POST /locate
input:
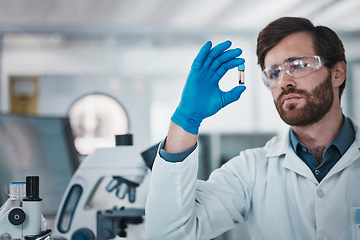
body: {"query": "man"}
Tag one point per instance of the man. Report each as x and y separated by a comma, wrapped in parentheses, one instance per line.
(303, 185)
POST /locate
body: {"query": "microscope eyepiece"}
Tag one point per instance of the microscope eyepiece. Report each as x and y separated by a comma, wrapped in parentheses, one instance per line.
(123, 140)
(32, 189)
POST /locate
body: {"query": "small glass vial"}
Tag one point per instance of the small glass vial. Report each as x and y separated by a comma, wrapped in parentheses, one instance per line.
(17, 191)
(241, 69)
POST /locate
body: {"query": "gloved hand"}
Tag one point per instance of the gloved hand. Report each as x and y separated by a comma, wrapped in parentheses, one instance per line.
(201, 96)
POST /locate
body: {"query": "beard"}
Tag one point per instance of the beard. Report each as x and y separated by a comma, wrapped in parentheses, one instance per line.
(318, 104)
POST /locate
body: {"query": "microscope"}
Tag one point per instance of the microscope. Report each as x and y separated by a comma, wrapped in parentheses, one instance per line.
(20, 215)
(119, 170)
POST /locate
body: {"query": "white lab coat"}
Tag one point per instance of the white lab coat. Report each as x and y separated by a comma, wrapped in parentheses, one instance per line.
(271, 188)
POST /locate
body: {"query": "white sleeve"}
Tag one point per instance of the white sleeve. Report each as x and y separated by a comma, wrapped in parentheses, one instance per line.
(181, 207)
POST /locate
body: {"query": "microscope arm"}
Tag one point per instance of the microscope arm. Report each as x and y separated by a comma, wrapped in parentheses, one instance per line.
(124, 186)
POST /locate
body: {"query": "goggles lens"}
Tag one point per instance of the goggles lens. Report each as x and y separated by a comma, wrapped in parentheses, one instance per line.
(295, 67)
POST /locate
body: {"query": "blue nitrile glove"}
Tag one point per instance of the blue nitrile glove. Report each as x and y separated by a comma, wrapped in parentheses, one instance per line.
(202, 97)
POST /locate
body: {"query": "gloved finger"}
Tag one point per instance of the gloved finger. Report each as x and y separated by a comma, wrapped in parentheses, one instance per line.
(225, 57)
(220, 72)
(200, 57)
(232, 95)
(215, 52)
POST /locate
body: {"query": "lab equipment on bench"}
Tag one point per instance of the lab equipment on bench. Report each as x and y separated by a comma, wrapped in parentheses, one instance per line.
(20, 215)
(125, 169)
(38, 146)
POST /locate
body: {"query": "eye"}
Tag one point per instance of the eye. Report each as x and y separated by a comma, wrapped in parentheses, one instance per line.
(297, 65)
(274, 74)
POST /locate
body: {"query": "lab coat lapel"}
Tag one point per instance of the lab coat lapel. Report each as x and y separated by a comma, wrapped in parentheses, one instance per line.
(295, 164)
(281, 148)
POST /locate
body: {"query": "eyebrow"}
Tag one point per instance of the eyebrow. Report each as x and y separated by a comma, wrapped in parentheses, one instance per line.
(287, 60)
(292, 59)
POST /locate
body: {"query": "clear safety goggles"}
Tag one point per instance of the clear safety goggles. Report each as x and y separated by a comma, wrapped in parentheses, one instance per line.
(296, 67)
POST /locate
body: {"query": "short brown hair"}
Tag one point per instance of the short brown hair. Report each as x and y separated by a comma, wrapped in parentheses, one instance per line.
(326, 42)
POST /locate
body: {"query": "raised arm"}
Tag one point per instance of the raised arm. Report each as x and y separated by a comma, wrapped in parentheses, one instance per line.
(171, 210)
(202, 97)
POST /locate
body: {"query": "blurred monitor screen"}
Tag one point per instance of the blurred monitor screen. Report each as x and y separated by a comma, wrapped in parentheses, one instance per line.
(37, 146)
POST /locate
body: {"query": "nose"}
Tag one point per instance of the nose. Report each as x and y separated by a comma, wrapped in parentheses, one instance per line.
(286, 81)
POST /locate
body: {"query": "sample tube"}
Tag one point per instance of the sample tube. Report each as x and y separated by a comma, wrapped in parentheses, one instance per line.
(241, 69)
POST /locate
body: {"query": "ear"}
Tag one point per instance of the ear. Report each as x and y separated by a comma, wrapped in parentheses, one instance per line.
(338, 73)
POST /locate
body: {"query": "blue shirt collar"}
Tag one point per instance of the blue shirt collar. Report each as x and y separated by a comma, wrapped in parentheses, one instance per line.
(342, 141)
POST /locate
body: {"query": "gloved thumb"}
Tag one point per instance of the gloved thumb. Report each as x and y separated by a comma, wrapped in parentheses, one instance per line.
(233, 95)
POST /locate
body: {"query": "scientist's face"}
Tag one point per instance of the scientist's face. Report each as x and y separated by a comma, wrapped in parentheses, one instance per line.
(301, 101)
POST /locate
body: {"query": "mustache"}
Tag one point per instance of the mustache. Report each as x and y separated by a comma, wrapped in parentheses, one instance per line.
(292, 90)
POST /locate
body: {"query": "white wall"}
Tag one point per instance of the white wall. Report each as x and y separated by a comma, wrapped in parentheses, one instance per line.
(72, 70)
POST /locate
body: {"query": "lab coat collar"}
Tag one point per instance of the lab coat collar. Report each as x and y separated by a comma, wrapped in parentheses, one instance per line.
(357, 134)
(351, 155)
(279, 149)
(280, 146)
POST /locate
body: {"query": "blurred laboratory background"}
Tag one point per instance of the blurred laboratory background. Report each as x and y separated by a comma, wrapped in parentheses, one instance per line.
(76, 73)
